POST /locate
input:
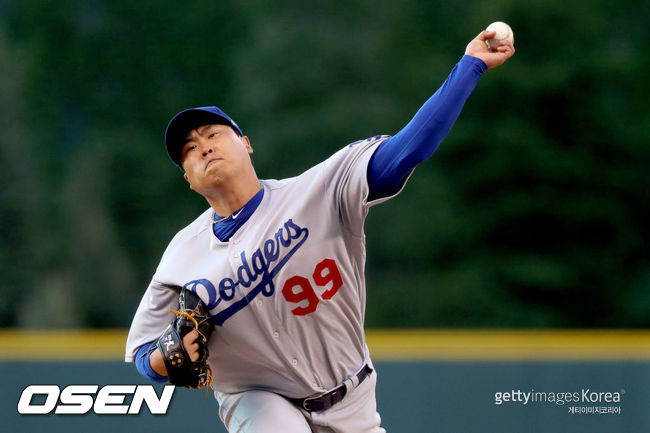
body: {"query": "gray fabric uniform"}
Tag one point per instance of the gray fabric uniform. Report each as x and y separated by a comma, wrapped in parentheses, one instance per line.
(287, 293)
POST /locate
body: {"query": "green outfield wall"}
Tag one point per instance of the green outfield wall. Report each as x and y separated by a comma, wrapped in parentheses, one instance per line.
(428, 381)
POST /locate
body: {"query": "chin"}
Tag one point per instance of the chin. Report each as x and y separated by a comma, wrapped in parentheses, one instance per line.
(210, 182)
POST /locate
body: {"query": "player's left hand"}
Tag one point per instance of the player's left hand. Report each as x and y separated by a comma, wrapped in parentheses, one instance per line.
(184, 344)
(478, 48)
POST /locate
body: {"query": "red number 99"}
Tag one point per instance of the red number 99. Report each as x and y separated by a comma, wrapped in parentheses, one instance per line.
(305, 292)
(297, 289)
(332, 276)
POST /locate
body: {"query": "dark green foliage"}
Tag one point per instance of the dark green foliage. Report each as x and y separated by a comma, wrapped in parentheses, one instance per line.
(533, 213)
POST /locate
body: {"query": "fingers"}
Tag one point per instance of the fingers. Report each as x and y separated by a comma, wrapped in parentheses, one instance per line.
(506, 47)
(191, 336)
(498, 57)
(478, 48)
(192, 347)
(485, 35)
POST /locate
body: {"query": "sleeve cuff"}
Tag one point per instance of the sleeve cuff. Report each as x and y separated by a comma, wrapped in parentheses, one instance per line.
(478, 63)
(143, 366)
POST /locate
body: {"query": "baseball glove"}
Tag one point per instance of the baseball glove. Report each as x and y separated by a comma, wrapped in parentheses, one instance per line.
(182, 371)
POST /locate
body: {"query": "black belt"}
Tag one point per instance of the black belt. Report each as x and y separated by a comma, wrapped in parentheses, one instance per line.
(321, 402)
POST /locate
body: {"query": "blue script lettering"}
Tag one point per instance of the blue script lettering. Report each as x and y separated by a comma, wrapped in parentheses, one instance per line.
(212, 293)
(258, 271)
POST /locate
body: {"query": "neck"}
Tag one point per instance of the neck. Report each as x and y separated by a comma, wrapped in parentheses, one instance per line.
(226, 201)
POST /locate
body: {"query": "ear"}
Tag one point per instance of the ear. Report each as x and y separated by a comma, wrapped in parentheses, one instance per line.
(247, 144)
(187, 179)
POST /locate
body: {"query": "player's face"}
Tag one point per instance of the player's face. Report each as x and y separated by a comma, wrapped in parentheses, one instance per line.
(214, 155)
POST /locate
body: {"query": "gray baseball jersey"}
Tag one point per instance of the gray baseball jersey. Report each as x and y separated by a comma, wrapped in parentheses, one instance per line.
(287, 292)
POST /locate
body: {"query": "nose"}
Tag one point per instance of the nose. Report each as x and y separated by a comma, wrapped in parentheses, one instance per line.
(206, 148)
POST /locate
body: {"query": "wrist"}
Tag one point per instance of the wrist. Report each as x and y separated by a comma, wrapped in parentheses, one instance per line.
(475, 60)
(157, 363)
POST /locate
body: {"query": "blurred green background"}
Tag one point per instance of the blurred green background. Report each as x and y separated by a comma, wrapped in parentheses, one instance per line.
(533, 213)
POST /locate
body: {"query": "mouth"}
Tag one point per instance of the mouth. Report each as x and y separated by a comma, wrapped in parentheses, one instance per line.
(211, 162)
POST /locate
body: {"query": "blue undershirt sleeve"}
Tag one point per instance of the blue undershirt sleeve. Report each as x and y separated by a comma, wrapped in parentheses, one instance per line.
(143, 366)
(396, 157)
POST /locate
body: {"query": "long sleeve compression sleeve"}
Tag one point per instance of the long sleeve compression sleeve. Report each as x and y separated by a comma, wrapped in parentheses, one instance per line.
(396, 157)
(143, 366)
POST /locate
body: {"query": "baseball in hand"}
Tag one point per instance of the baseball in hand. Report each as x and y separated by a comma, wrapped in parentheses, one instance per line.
(503, 31)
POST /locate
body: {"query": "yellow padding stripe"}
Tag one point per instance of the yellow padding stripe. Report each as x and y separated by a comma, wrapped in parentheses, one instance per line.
(390, 345)
(504, 345)
(82, 344)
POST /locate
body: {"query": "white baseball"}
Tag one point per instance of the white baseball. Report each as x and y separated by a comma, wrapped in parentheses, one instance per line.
(503, 31)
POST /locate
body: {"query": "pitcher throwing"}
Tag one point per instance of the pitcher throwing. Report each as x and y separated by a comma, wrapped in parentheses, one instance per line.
(278, 268)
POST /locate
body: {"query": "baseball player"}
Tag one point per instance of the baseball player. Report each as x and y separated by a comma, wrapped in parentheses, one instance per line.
(278, 265)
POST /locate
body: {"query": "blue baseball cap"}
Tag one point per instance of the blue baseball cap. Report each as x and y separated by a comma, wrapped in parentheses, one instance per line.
(189, 119)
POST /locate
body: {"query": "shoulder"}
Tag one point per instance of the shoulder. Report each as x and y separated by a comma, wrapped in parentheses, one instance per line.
(355, 154)
(275, 184)
(187, 235)
(357, 148)
(370, 141)
(196, 227)
(336, 162)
